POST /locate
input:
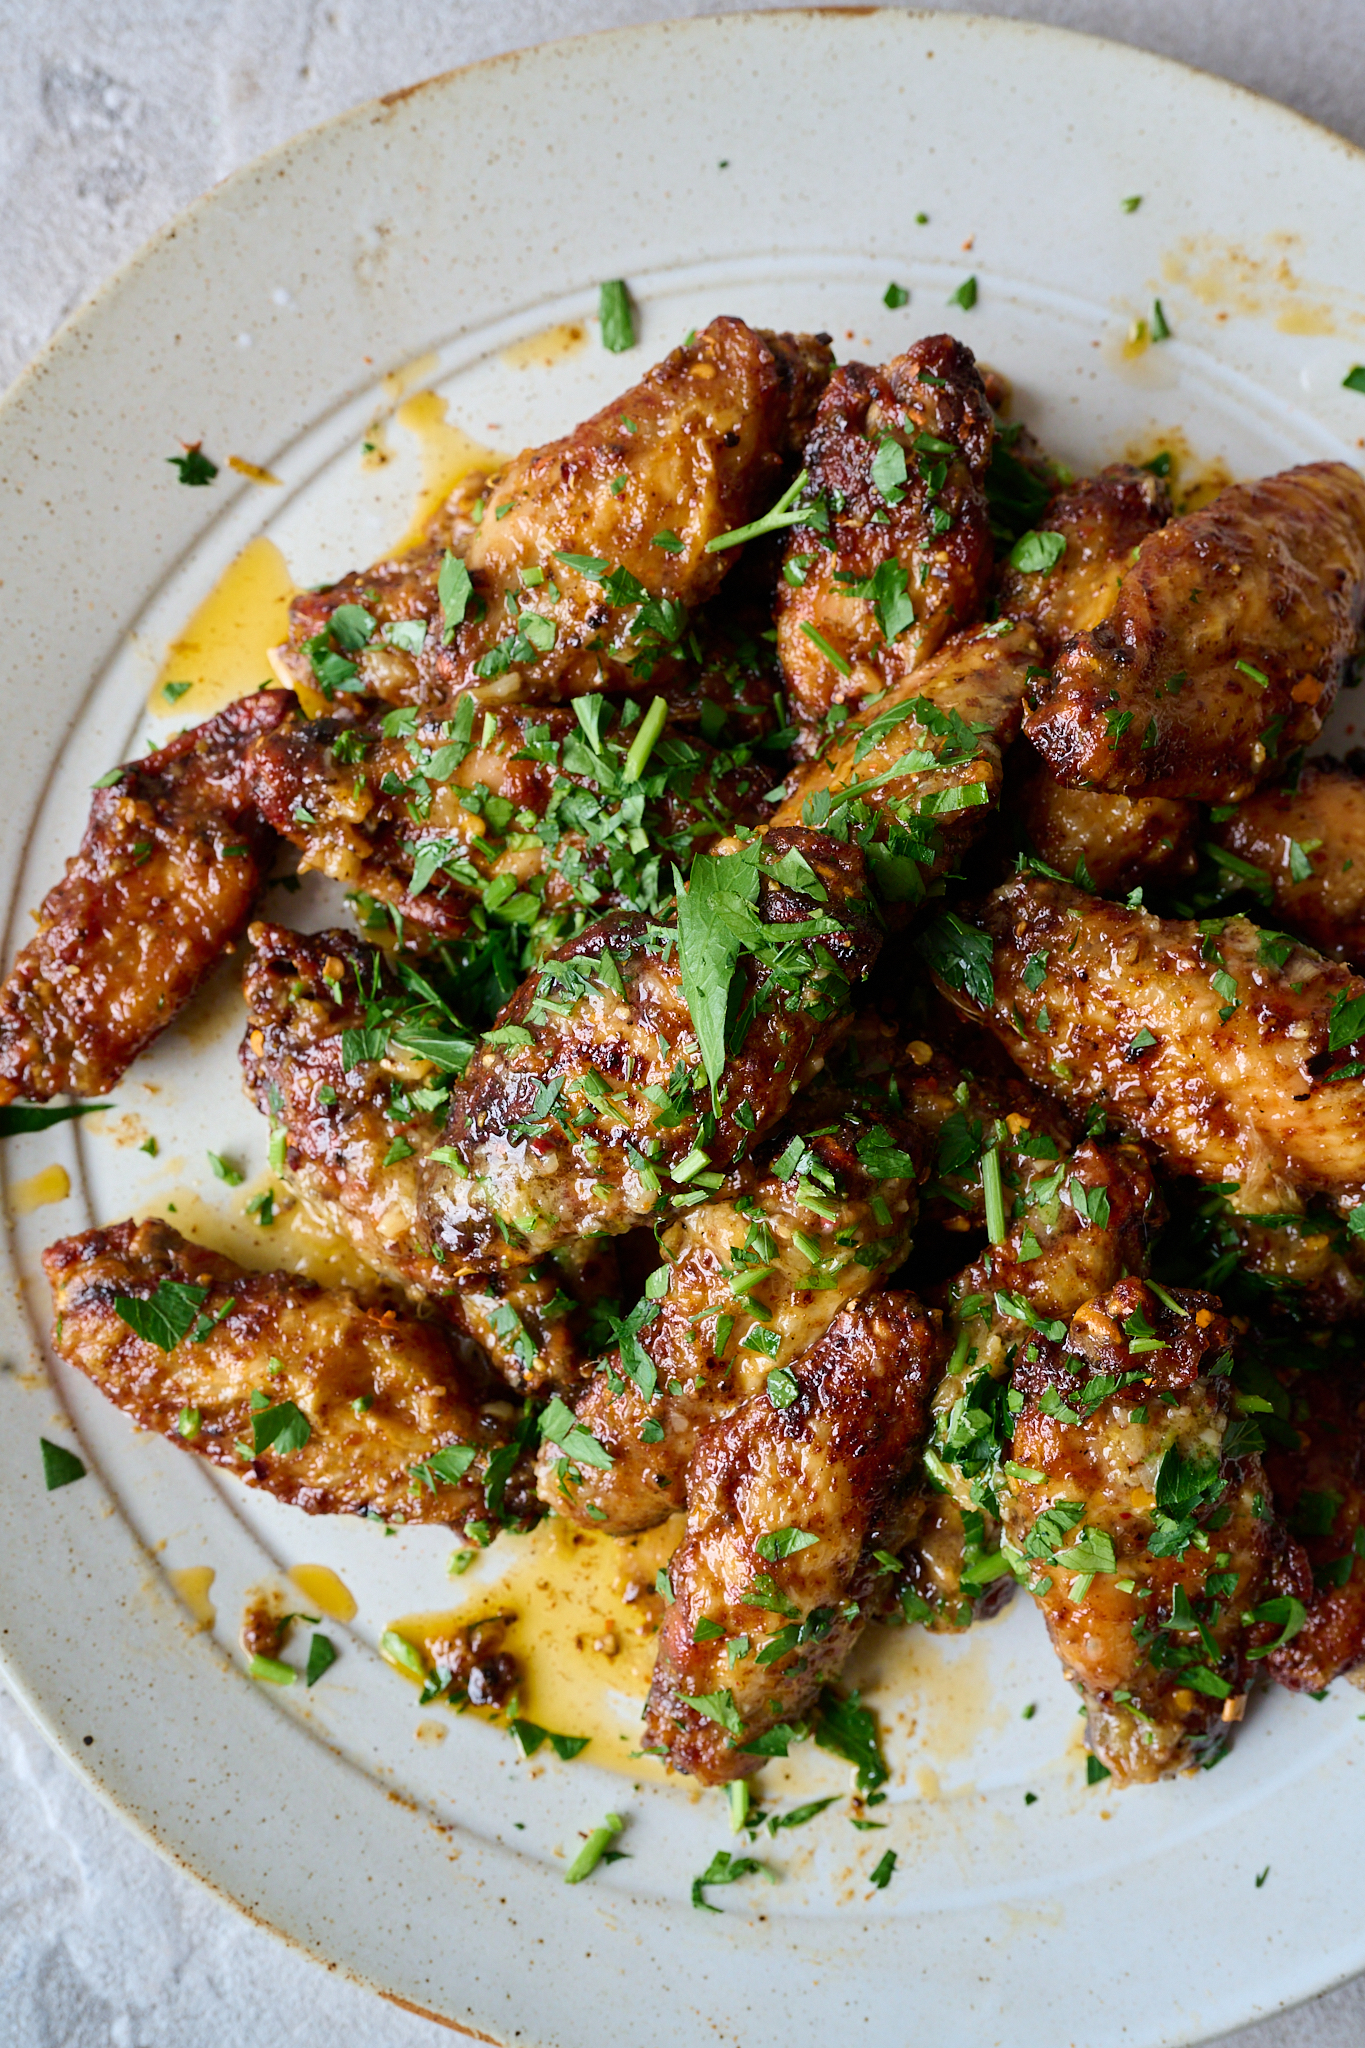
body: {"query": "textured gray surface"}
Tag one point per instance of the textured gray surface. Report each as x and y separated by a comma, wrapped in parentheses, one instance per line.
(113, 117)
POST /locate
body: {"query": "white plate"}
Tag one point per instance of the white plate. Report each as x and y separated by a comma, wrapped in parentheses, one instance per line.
(771, 166)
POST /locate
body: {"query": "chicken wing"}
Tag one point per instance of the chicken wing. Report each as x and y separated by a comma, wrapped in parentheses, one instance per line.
(914, 781)
(1111, 843)
(542, 817)
(587, 554)
(323, 1058)
(787, 1507)
(300, 1390)
(896, 552)
(1102, 521)
(171, 862)
(590, 1096)
(750, 1281)
(1225, 648)
(1306, 843)
(1319, 1490)
(1231, 1051)
(1142, 1524)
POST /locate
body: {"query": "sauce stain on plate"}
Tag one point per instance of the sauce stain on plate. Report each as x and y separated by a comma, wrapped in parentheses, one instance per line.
(321, 1587)
(192, 1584)
(223, 653)
(1232, 277)
(550, 346)
(53, 1184)
(447, 454)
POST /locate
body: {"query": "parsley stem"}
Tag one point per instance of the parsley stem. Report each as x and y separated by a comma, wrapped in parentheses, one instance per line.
(995, 1194)
(272, 1671)
(781, 515)
(594, 1849)
(832, 654)
(642, 746)
(737, 1792)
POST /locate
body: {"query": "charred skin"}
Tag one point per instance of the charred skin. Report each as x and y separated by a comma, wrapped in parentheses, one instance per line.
(1102, 519)
(704, 443)
(1133, 1021)
(1118, 842)
(933, 529)
(1078, 1221)
(303, 993)
(838, 1464)
(1319, 1491)
(1100, 1447)
(1318, 826)
(516, 797)
(172, 859)
(290, 1340)
(925, 768)
(755, 1277)
(1224, 650)
(604, 1043)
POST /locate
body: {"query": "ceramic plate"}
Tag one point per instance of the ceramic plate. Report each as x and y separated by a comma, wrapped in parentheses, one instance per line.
(354, 315)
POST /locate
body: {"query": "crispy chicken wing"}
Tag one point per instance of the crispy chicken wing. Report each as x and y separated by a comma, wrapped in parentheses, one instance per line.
(786, 1507)
(171, 862)
(1319, 1490)
(301, 1390)
(1144, 1532)
(752, 1280)
(534, 813)
(1217, 1043)
(1224, 650)
(1103, 520)
(360, 1112)
(1307, 843)
(587, 1109)
(914, 780)
(897, 552)
(1116, 842)
(589, 552)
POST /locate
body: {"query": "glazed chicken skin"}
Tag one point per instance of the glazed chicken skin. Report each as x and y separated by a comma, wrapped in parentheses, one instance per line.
(914, 779)
(1143, 1533)
(357, 1125)
(1217, 1043)
(172, 860)
(1318, 1485)
(1079, 1218)
(1113, 843)
(301, 1390)
(897, 552)
(1224, 650)
(532, 812)
(1306, 843)
(589, 553)
(587, 1110)
(787, 1507)
(1103, 520)
(750, 1281)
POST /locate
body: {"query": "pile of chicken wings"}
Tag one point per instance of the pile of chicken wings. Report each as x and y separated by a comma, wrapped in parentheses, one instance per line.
(851, 1037)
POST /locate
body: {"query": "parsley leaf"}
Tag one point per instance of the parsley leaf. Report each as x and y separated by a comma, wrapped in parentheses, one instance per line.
(194, 466)
(1037, 553)
(164, 1318)
(848, 1729)
(283, 1427)
(60, 1466)
(454, 587)
(18, 1117)
(614, 311)
(960, 955)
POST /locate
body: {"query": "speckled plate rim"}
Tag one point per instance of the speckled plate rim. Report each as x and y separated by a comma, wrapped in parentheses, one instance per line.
(89, 530)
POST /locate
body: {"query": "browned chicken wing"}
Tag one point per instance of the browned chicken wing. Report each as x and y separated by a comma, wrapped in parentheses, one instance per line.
(1113, 843)
(750, 1281)
(1224, 650)
(897, 552)
(171, 862)
(1143, 1530)
(1319, 1491)
(587, 1109)
(588, 553)
(359, 1112)
(303, 1391)
(914, 780)
(1102, 520)
(536, 813)
(787, 1507)
(1229, 1050)
(1307, 845)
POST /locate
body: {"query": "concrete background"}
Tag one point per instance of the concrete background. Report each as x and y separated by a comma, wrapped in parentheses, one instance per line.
(112, 118)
